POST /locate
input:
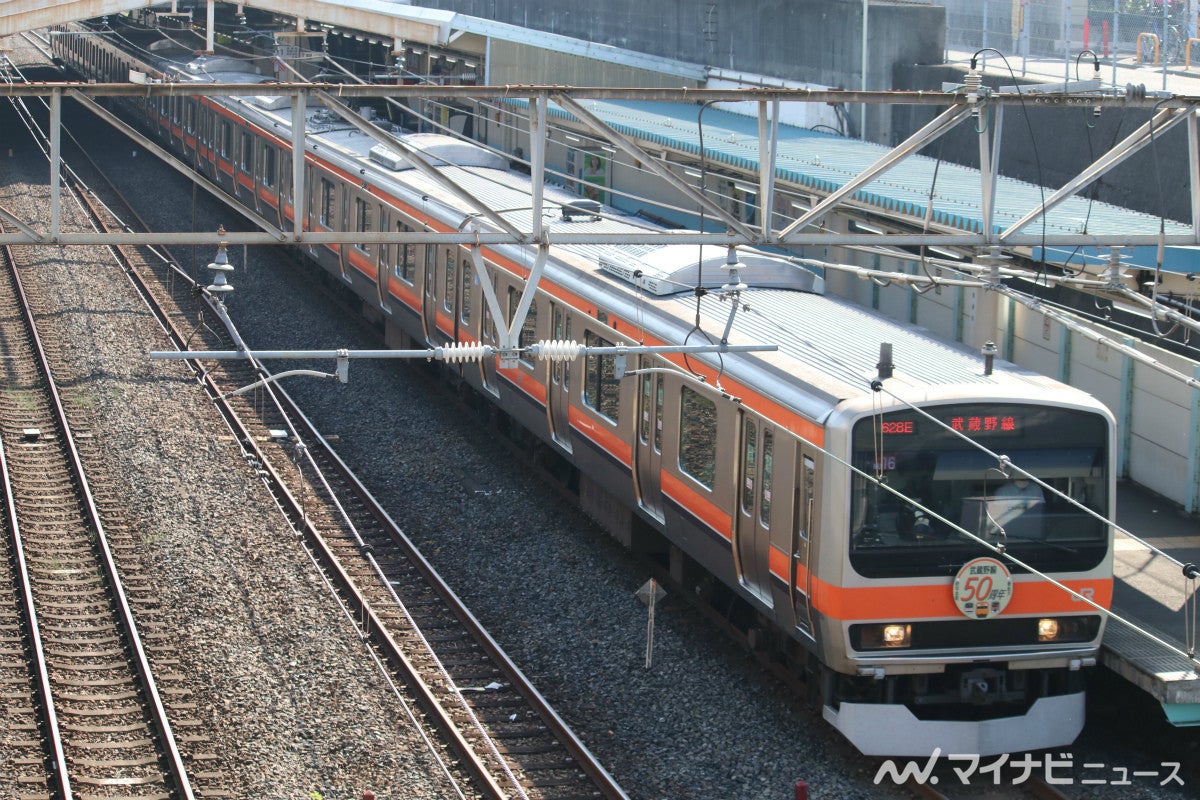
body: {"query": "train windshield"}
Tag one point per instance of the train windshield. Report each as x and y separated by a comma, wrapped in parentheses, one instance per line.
(927, 462)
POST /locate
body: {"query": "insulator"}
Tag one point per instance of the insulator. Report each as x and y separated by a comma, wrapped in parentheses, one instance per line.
(462, 352)
(973, 82)
(557, 350)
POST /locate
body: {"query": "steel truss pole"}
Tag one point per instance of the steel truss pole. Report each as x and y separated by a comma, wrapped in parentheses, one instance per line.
(768, 140)
(538, 134)
(989, 165)
(55, 165)
(299, 198)
(29, 232)
(1159, 124)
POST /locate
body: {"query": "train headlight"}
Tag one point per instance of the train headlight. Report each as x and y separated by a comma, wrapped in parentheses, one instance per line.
(1047, 629)
(897, 635)
(889, 636)
(1060, 630)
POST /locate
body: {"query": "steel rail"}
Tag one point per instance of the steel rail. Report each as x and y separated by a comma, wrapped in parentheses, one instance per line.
(59, 779)
(521, 683)
(376, 624)
(145, 674)
(176, 770)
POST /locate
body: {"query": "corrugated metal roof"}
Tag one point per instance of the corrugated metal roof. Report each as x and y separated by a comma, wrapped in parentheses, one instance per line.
(823, 162)
(805, 326)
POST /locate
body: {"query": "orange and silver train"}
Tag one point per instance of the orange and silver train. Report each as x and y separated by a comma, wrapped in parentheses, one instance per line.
(837, 515)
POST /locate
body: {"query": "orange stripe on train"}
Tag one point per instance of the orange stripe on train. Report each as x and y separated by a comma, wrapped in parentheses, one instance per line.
(696, 503)
(602, 435)
(1029, 597)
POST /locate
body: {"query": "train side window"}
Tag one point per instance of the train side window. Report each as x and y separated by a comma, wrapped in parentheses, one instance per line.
(226, 138)
(698, 436)
(189, 116)
(467, 279)
(559, 370)
(804, 517)
(448, 281)
(645, 422)
(247, 152)
(384, 223)
(749, 464)
(406, 254)
(328, 200)
(528, 333)
(487, 330)
(362, 222)
(658, 416)
(651, 405)
(269, 166)
(429, 278)
(285, 185)
(601, 390)
(768, 462)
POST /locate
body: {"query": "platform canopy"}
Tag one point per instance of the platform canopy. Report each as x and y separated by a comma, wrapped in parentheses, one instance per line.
(18, 16)
(401, 22)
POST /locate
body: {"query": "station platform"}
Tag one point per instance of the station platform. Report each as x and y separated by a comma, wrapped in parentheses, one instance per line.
(1151, 592)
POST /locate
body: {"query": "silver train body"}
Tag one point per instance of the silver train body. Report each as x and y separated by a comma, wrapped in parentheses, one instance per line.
(774, 477)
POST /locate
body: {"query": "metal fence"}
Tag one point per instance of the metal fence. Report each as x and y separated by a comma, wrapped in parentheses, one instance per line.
(1121, 30)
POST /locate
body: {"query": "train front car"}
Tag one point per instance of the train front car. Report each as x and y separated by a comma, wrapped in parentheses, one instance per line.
(948, 643)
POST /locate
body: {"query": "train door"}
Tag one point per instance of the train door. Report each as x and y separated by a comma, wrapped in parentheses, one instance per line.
(429, 295)
(803, 520)
(342, 223)
(458, 303)
(487, 335)
(383, 266)
(752, 526)
(648, 439)
(558, 393)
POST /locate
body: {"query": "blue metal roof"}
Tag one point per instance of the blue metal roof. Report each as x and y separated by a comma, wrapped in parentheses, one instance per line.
(824, 162)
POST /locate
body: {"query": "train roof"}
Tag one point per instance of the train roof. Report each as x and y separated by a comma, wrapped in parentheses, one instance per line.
(831, 344)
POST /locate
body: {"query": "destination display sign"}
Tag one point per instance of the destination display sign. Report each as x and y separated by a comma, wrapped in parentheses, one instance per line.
(985, 424)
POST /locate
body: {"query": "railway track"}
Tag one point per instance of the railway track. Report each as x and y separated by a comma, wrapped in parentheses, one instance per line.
(491, 720)
(86, 708)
